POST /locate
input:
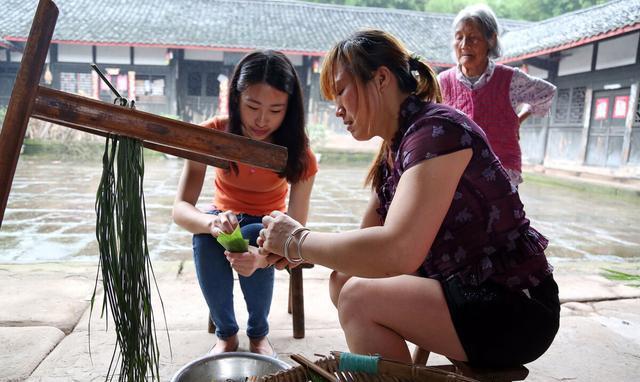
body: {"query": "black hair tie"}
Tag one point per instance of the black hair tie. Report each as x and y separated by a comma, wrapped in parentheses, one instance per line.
(415, 62)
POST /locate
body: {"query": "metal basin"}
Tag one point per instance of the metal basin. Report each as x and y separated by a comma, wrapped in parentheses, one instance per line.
(228, 367)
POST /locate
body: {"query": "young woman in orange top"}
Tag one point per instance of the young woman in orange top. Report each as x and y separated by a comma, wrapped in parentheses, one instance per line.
(265, 104)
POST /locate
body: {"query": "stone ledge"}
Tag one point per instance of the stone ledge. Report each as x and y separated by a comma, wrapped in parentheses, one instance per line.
(24, 349)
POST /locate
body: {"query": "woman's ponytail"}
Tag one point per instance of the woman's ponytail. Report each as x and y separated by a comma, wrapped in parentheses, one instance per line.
(428, 88)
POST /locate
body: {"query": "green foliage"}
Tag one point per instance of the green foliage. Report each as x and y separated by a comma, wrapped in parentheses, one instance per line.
(338, 157)
(633, 280)
(171, 116)
(397, 4)
(449, 6)
(533, 10)
(3, 112)
(55, 150)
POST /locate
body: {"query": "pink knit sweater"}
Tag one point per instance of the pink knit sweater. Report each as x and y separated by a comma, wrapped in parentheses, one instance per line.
(490, 107)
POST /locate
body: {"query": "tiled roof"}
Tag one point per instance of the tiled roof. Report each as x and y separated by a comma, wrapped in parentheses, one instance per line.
(292, 26)
(296, 26)
(572, 29)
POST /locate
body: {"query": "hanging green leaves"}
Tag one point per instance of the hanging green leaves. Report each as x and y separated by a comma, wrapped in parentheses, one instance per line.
(121, 230)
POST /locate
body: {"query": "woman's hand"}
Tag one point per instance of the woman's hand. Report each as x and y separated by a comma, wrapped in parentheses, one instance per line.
(247, 262)
(223, 222)
(277, 228)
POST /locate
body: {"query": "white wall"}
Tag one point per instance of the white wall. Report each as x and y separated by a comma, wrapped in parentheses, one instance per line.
(15, 56)
(537, 72)
(113, 55)
(203, 55)
(576, 60)
(295, 59)
(150, 56)
(617, 51)
(74, 53)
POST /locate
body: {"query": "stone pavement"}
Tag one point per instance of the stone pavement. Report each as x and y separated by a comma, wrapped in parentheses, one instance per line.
(44, 318)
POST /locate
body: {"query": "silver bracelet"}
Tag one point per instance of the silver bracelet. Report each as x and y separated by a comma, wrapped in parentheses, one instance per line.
(288, 241)
(300, 241)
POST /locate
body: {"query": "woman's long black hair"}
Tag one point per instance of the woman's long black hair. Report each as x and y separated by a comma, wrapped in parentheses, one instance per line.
(274, 69)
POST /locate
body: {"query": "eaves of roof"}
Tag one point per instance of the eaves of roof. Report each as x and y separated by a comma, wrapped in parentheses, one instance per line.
(574, 44)
(572, 30)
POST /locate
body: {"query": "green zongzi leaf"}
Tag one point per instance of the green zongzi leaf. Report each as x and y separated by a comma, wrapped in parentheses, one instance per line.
(233, 242)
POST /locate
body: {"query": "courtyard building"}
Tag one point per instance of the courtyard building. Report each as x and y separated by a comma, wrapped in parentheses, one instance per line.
(174, 58)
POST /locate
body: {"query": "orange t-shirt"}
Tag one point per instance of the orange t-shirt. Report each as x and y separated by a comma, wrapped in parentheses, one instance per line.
(254, 190)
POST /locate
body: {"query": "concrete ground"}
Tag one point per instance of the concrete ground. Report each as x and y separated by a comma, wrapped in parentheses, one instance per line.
(44, 318)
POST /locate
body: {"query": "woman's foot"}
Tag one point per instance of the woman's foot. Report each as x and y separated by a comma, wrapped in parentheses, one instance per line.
(225, 345)
(261, 346)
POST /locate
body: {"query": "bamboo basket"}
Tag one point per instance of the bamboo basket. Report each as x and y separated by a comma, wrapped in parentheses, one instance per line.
(328, 369)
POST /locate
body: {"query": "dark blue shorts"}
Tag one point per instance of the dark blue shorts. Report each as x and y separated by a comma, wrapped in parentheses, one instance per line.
(501, 327)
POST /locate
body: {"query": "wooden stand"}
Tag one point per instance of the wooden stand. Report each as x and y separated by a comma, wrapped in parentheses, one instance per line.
(182, 139)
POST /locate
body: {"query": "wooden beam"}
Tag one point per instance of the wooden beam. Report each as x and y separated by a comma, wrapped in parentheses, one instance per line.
(74, 110)
(206, 159)
(23, 95)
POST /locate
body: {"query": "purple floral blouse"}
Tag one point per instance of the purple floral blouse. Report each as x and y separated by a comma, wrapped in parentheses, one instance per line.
(485, 234)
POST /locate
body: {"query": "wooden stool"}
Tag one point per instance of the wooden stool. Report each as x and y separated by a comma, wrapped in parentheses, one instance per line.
(508, 374)
(296, 301)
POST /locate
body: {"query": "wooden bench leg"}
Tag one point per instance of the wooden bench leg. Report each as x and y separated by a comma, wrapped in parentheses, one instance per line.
(420, 356)
(212, 326)
(296, 302)
(290, 295)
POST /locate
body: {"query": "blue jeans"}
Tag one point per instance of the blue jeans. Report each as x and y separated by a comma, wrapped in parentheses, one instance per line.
(215, 277)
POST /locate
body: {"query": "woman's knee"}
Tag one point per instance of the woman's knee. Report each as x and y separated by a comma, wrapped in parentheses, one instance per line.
(354, 299)
(336, 281)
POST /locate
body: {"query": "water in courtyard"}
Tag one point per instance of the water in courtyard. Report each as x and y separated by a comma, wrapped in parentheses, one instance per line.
(51, 216)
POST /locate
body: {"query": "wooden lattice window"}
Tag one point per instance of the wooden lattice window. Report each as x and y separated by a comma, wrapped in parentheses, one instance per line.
(563, 103)
(576, 112)
(78, 83)
(570, 105)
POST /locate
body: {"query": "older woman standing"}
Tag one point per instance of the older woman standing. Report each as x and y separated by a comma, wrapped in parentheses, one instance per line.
(497, 97)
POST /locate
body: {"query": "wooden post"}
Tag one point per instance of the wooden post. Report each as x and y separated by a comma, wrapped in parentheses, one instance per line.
(24, 95)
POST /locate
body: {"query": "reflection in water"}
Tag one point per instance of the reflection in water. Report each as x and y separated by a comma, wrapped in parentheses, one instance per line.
(50, 214)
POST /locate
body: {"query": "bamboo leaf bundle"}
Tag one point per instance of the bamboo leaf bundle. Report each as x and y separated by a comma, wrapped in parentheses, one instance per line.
(121, 231)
